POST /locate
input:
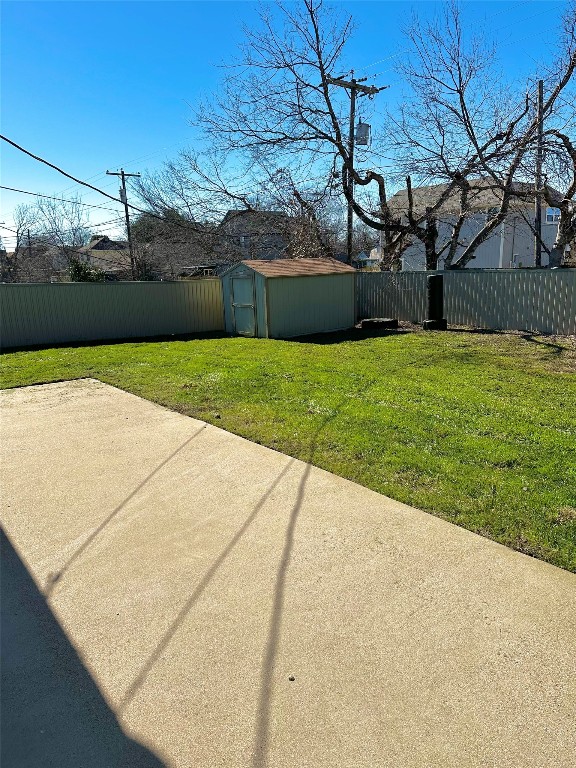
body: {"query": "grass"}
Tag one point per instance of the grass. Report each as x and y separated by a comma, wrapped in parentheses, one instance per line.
(479, 429)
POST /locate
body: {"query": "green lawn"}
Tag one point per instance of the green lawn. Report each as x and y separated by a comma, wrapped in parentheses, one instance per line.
(479, 429)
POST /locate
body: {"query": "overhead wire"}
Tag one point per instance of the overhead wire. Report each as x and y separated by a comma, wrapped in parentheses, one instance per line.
(59, 199)
(84, 183)
(127, 162)
(56, 168)
(105, 226)
(189, 226)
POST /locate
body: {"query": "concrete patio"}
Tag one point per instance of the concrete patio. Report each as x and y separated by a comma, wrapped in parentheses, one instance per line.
(200, 600)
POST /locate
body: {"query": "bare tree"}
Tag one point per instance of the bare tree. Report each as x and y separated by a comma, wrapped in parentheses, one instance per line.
(278, 136)
(196, 192)
(63, 224)
(280, 107)
(460, 123)
(463, 128)
(281, 120)
(28, 262)
(49, 239)
(559, 143)
(167, 243)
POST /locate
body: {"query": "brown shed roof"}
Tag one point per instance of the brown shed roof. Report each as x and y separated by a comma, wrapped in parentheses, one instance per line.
(298, 267)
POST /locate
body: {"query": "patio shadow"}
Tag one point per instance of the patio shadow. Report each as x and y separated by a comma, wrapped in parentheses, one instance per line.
(269, 672)
(196, 594)
(54, 578)
(53, 714)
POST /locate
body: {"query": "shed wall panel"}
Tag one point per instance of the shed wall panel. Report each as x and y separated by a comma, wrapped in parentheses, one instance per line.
(261, 306)
(303, 305)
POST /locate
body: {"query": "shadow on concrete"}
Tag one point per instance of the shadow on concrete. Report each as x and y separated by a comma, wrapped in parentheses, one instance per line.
(262, 734)
(268, 674)
(53, 715)
(54, 578)
(196, 594)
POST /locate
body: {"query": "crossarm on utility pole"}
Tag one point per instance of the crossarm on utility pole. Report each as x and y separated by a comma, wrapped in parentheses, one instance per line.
(369, 90)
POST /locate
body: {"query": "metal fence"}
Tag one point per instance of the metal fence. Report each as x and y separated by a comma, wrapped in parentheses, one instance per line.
(51, 313)
(500, 299)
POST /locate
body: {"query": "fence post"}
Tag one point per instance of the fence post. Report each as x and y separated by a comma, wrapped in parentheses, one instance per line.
(435, 320)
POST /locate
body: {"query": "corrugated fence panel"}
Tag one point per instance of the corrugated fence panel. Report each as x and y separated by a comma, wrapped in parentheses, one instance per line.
(45, 313)
(503, 299)
(51, 313)
(391, 294)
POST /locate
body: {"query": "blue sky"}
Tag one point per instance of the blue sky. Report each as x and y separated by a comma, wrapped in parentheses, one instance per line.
(92, 86)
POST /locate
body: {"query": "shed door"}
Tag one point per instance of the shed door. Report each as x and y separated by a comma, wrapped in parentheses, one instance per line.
(243, 306)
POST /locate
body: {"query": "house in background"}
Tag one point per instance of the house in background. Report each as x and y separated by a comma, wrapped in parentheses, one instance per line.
(510, 246)
(111, 256)
(38, 262)
(368, 261)
(250, 234)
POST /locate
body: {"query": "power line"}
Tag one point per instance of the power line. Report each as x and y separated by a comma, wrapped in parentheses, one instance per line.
(55, 167)
(129, 162)
(104, 224)
(380, 61)
(85, 184)
(190, 226)
(494, 31)
(89, 225)
(60, 199)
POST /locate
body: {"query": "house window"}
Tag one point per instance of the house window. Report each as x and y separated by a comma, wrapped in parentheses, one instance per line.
(552, 215)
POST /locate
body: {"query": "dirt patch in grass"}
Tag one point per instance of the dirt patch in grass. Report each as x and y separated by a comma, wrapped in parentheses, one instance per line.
(565, 516)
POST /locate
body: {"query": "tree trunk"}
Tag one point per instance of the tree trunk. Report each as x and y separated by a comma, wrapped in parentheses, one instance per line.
(566, 234)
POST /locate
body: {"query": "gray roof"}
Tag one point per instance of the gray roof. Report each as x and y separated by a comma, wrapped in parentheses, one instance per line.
(482, 197)
(261, 217)
(104, 243)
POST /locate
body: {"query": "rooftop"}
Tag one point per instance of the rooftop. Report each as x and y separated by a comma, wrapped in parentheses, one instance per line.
(298, 267)
(482, 197)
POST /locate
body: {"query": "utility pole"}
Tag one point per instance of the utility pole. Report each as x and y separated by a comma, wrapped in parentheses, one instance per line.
(123, 196)
(354, 86)
(538, 196)
(29, 244)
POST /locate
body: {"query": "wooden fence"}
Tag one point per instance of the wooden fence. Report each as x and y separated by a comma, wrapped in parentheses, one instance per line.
(500, 299)
(52, 313)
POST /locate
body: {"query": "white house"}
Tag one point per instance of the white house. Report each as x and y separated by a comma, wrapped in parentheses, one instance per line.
(365, 260)
(510, 246)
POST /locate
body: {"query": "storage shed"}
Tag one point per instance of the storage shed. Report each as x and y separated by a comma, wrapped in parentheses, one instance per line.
(283, 298)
